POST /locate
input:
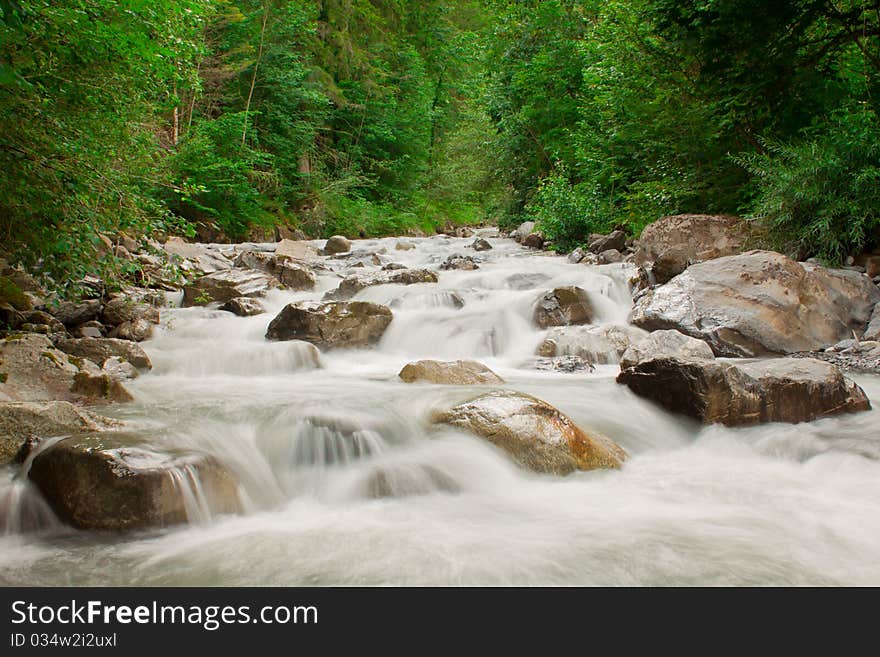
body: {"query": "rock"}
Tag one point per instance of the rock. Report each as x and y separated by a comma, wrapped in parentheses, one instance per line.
(10, 317)
(405, 479)
(291, 273)
(525, 228)
(201, 259)
(118, 482)
(480, 244)
(533, 240)
(563, 306)
(394, 266)
(337, 244)
(21, 422)
(665, 344)
(609, 256)
(456, 261)
(294, 276)
(123, 309)
(404, 246)
(92, 329)
(353, 284)
(44, 318)
(119, 369)
(336, 324)
(137, 330)
(669, 245)
(458, 372)
(736, 394)
(289, 233)
(222, 286)
(296, 250)
(72, 314)
(32, 369)
(537, 435)
(759, 303)
(576, 256)
(98, 350)
(872, 332)
(614, 241)
(566, 364)
(593, 344)
(100, 386)
(243, 307)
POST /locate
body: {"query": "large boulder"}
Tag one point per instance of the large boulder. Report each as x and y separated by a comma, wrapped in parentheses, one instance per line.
(665, 344)
(32, 369)
(669, 245)
(298, 250)
(337, 244)
(593, 344)
(537, 435)
(533, 240)
(222, 286)
(72, 313)
(21, 422)
(117, 481)
(98, 350)
(760, 303)
(351, 285)
(734, 394)
(457, 372)
(334, 324)
(563, 306)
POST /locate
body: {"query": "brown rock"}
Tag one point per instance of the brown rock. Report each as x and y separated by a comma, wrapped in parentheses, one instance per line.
(563, 306)
(670, 244)
(537, 435)
(458, 372)
(335, 324)
(224, 285)
(735, 394)
(115, 481)
(98, 350)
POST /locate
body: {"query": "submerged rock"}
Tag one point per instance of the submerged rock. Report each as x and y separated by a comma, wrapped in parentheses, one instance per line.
(671, 244)
(458, 261)
(457, 372)
(331, 325)
(563, 306)
(759, 303)
(537, 435)
(117, 481)
(407, 479)
(734, 394)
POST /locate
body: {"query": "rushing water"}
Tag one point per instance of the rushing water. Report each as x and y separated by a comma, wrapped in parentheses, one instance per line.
(345, 482)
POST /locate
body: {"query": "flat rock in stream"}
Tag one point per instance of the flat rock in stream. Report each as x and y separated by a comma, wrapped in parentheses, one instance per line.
(222, 286)
(457, 372)
(746, 393)
(119, 482)
(353, 284)
(21, 422)
(98, 350)
(331, 325)
(535, 434)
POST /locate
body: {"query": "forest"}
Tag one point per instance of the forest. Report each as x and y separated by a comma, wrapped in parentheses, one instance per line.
(231, 119)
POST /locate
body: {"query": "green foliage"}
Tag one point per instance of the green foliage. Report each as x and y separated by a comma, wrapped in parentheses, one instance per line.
(567, 214)
(10, 293)
(820, 195)
(218, 180)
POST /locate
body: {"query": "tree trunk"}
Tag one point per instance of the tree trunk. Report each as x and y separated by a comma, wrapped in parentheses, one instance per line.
(247, 106)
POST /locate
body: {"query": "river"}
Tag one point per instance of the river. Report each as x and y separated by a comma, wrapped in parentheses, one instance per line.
(771, 505)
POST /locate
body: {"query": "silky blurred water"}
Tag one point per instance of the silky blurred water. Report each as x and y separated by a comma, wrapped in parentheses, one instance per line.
(345, 481)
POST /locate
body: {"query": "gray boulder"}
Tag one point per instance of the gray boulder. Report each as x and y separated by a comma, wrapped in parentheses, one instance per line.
(759, 303)
(665, 344)
(224, 285)
(563, 306)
